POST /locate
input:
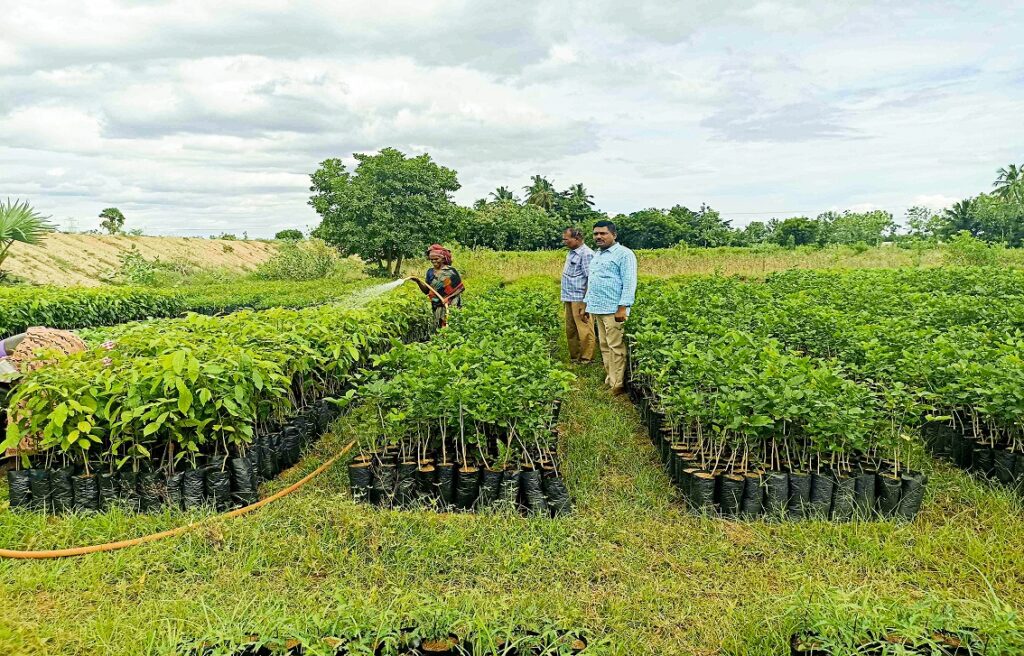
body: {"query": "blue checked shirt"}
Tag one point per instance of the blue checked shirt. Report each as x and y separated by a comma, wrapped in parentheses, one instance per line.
(612, 280)
(575, 272)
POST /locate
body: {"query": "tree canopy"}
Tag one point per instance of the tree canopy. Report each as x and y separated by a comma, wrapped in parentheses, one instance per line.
(390, 208)
(113, 220)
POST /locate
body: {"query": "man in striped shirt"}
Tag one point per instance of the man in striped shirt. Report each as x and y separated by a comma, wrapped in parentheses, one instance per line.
(579, 330)
(611, 288)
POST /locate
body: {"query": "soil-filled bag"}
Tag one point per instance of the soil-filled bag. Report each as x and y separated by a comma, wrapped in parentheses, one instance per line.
(467, 486)
(271, 456)
(360, 480)
(87, 493)
(822, 489)
(1002, 465)
(961, 450)
(110, 489)
(982, 459)
(425, 488)
(150, 493)
(218, 488)
(702, 491)
(531, 491)
(799, 504)
(127, 485)
(174, 490)
(686, 483)
(1018, 471)
(776, 494)
(557, 495)
(730, 494)
(752, 503)
(258, 452)
(864, 493)
(62, 494)
(655, 421)
(193, 488)
(912, 486)
(889, 489)
(405, 489)
(678, 461)
(509, 486)
(385, 480)
(844, 496)
(19, 488)
(39, 484)
(444, 479)
(244, 487)
(291, 445)
(490, 486)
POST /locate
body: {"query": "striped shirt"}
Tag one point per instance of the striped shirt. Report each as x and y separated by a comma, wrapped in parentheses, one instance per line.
(612, 280)
(575, 272)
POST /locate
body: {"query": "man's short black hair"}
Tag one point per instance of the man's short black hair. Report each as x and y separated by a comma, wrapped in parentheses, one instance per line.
(607, 224)
(574, 231)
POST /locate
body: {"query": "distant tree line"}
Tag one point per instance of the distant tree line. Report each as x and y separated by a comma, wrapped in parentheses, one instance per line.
(391, 207)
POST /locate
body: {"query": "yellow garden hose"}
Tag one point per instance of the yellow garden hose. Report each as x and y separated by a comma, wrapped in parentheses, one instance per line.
(114, 546)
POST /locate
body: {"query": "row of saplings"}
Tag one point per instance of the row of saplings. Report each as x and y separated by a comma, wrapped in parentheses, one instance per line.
(468, 420)
(395, 478)
(802, 490)
(219, 480)
(999, 461)
(410, 641)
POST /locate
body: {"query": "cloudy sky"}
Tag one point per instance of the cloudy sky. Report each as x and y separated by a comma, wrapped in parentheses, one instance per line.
(197, 117)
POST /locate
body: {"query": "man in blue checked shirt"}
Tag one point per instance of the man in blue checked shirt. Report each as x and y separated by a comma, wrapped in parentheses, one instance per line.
(579, 330)
(611, 288)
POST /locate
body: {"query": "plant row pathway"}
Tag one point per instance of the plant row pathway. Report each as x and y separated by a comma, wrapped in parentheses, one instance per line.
(629, 564)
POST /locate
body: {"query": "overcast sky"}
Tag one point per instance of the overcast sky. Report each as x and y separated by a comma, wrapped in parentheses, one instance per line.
(197, 117)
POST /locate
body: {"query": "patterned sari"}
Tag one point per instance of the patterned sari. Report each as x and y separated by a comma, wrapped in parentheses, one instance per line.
(448, 284)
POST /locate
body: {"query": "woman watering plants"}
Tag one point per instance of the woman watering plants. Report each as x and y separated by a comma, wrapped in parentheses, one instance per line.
(443, 283)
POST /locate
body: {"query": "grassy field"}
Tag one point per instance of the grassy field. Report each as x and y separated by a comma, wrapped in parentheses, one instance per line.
(752, 262)
(629, 566)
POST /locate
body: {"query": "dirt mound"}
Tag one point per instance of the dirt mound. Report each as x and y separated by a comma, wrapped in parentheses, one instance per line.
(84, 259)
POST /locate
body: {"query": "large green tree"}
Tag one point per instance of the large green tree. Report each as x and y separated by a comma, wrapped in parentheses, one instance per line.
(390, 208)
(795, 231)
(509, 226)
(113, 220)
(855, 227)
(650, 228)
(20, 223)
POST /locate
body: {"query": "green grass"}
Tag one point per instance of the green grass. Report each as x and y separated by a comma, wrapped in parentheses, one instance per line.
(629, 565)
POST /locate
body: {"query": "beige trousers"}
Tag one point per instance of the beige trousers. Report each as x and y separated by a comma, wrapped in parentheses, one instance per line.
(579, 333)
(613, 349)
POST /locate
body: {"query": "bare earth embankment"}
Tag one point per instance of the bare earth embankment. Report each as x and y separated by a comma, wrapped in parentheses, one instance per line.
(84, 259)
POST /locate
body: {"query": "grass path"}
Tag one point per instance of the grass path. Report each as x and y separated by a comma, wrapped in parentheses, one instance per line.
(629, 564)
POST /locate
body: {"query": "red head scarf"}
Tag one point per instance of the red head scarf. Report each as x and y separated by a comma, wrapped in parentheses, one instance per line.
(446, 255)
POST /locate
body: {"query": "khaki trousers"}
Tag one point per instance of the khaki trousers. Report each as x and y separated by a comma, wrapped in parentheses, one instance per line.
(579, 333)
(613, 349)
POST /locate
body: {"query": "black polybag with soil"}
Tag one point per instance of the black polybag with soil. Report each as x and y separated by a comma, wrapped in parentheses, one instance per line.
(62, 493)
(244, 486)
(19, 488)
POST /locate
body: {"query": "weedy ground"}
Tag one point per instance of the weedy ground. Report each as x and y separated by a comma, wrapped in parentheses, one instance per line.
(630, 566)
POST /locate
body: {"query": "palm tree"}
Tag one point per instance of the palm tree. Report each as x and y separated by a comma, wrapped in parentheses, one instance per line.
(578, 193)
(19, 222)
(1010, 182)
(961, 217)
(541, 193)
(503, 194)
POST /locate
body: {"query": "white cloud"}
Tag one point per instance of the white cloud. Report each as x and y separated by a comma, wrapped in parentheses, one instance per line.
(195, 115)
